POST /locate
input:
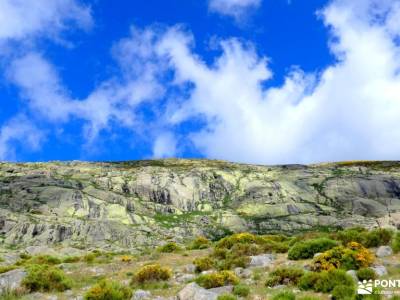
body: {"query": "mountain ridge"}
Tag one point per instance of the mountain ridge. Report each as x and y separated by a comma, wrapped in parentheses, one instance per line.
(134, 204)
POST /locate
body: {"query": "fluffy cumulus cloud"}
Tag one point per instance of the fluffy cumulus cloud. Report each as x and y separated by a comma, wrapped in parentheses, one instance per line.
(22, 22)
(164, 145)
(20, 130)
(20, 19)
(112, 103)
(348, 111)
(233, 8)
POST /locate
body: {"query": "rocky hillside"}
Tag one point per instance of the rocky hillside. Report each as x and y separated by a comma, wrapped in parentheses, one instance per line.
(137, 204)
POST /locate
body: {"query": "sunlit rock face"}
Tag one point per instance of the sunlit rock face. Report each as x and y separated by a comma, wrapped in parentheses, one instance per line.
(136, 204)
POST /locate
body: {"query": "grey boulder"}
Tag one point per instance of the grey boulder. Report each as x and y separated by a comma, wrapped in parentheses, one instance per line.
(263, 260)
(384, 251)
(11, 280)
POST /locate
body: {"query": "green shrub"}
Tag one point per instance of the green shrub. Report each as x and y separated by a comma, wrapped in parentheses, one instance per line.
(238, 238)
(332, 278)
(71, 259)
(45, 278)
(343, 292)
(108, 290)
(309, 280)
(151, 273)
(45, 259)
(396, 243)
(90, 257)
(220, 253)
(226, 297)
(241, 290)
(232, 261)
(274, 246)
(355, 234)
(169, 248)
(307, 249)
(325, 281)
(308, 298)
(245, 250)
(203, 264)
(373, 238)
(264, 243)
(284, 275)
(199, 243)
(285, 295)
(234, 250)
(24, 256)
(378, 237)
(217, 279)
(366, 274)
(276, 237)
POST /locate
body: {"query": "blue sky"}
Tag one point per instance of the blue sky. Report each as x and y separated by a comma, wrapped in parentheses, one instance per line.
(257, 81)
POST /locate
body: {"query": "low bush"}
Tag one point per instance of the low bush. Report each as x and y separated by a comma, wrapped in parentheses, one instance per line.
(71, 259)
(151, 273)
(396, 243)
(373, 238)
(203, 264)
(325, 281)
(352, 257)
(24, 256)
(169, 247)
(44, 259)
(232, 261)
(307, 249)
(378, 237)
(217, 279)
(45, 278)
(234, 250)
(227, 297)
(241, 290)
(366, 274)
(245, 250)
(265, 243)
(199, 243)
(274, 246)
(343, 292)
(126, 258)
(309, 280)
(330, 279)
(284, 275)
(285, 295)
(108, 290)
(90, 257)
(238, 238)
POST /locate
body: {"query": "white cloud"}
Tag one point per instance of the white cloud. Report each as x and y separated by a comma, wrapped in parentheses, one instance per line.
(164, 145)
(112, 103)
(233, 8)
(20, 19)
(19, 130)
(349, 111)
(22, 22)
